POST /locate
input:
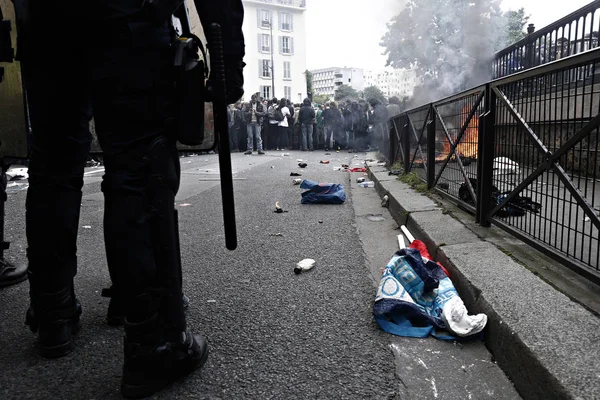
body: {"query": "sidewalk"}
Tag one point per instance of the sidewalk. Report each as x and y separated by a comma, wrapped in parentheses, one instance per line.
(546, 343)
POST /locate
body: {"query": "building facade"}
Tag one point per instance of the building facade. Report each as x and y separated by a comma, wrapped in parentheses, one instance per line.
(398, 82)
(327, 80)
(275, 35)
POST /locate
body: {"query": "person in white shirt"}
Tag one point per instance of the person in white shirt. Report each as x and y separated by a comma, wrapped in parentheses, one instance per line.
(283, 125)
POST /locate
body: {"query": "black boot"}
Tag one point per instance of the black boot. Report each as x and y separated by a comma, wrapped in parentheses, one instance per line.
(116, 310)
(151, 362)
(11, 274)
(55, 317)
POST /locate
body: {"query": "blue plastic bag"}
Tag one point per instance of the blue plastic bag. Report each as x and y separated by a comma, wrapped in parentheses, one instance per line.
(322, 193)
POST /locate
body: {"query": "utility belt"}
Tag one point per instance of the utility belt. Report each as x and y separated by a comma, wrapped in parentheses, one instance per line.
(191, 69)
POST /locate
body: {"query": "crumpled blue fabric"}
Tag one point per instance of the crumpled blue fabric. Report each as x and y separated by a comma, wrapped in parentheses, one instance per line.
(322, 193)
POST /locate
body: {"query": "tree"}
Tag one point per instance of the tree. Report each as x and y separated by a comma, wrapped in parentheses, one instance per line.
(309, 83)
(515, 27)
(449, 43)
(320, 99)
(394, 100)
(344, 92)
(373, 92)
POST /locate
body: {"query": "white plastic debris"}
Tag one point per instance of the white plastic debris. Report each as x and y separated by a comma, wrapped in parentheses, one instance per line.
(17, 173)
(87, 227)
(458, 321)
(409, 235)
(504, 165)
(304, 265)
(401, 243)
(385, 201)
(297, 181)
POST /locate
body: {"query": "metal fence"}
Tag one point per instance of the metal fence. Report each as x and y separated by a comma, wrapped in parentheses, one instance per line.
(573, 34)
(520, 152)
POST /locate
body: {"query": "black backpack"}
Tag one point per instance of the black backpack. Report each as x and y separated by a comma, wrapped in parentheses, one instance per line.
(278, 116)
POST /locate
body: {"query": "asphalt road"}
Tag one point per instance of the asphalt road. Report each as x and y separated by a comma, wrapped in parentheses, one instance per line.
(272, 334)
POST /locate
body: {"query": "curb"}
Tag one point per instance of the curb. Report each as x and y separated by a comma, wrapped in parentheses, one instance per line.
(534, 343)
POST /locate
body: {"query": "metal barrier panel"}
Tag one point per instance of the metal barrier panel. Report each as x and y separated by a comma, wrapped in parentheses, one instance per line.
(573, 34)
(456, 145)
(546, 164)
(417, 140)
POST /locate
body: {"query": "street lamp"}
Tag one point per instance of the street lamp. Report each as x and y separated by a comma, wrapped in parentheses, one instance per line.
(272, 63)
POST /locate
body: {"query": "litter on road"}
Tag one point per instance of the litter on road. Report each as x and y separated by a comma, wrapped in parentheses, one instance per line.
(367, 184)
(416, 296)
(297, 181)
(324, 162)
(304, 265)
(278, 209)
(295, 174)
(302, 165)
(385, 201)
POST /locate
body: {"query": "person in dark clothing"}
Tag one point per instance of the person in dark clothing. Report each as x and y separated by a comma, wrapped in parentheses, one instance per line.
(239, 126)
(120, 71)
(253, 118)
(273, 124)
(291, 123)
(361, 142)
(379, 122)
(306, 118)
(334, 123)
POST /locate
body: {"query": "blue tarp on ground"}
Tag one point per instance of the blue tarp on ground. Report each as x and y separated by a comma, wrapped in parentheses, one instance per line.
(322, 193)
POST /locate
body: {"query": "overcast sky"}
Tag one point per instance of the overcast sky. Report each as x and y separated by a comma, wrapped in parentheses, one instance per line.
(347, 32)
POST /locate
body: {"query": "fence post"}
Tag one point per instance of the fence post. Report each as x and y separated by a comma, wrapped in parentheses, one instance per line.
(485, 166)
(406, 144)
(529, 53)
(431, 148)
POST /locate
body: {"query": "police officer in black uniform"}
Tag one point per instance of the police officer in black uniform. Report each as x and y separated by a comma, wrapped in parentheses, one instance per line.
(112, 59)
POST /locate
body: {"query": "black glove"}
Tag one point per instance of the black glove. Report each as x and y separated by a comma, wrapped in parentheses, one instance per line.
(234, 81)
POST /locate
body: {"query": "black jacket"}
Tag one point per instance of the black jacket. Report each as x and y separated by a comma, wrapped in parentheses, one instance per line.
(306, 115)
(260, 113)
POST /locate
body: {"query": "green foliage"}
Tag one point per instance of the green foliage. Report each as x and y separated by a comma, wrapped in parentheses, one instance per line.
(373, 92)
(344, 92)
(515, 27)
(309, 82)
(320, 99)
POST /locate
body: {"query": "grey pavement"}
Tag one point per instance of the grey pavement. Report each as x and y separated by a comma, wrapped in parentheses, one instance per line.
(272, 334)
(543, 327)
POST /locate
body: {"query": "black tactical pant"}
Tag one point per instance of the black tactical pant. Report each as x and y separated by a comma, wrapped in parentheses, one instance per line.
(107, 60)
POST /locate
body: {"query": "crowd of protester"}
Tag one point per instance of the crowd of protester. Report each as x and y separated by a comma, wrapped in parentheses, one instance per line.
(277, 124)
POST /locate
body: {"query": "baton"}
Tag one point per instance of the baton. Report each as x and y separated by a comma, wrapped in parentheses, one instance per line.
(219, 90)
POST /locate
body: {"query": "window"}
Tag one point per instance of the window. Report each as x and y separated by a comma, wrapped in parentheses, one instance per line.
(265, 91)
(287, 92)
(286, 45)
(264, 43)
(264, 18)
(285, 22)
(287, 73)
(264, 68)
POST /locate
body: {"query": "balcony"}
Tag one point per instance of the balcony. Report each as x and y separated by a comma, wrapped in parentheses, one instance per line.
(301, 4)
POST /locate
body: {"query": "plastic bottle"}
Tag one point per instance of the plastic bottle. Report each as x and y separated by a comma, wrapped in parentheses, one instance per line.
(368, 184)
(304, 265)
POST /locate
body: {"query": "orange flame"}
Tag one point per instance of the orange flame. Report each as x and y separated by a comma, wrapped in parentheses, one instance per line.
(467, 147)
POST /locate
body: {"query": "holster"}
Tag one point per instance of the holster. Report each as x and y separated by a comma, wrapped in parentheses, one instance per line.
(190, 92)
